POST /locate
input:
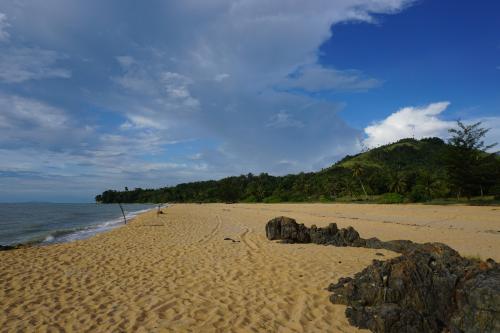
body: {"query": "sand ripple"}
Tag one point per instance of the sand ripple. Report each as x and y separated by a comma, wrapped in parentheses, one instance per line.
(176, 273)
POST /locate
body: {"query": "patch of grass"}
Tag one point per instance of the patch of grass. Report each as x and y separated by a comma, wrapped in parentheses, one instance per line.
(475, 201)
(475, 257)
(391, 198)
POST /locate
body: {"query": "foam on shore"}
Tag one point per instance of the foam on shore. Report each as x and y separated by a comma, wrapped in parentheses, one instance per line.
(64, 236)
(210, 268)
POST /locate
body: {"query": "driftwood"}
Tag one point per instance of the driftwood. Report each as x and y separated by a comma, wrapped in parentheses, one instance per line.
(123, 213)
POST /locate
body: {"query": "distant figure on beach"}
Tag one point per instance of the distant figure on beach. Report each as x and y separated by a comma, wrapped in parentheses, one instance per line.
(158, 211)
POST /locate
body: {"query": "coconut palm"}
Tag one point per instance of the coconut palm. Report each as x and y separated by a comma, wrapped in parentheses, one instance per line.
(397, 182)
(357, 171)
(429, 182)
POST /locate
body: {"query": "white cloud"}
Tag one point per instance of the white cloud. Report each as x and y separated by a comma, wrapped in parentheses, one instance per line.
(22, 64)
(176, 86)
(314, 78)
(139, 121)
(417, 122)
(17, 113)
(283, 119)
(221, 77)
(173, 84)
(125, 61)
(167, 94)
(4, 35)
(422, 122)
(19, 63)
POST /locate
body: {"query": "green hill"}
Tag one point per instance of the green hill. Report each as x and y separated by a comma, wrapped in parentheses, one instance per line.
(406, 153)
(409, 170)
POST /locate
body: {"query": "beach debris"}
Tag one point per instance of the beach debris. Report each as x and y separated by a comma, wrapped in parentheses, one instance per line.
(230, 239)
(123, 213)
(158, 210)
(6, 247)
(429, 288)
(15, 246)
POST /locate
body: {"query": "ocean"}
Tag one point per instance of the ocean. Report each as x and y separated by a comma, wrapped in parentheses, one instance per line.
(48, 223)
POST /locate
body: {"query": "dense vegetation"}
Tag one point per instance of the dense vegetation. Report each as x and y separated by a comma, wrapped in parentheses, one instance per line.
(405, 171)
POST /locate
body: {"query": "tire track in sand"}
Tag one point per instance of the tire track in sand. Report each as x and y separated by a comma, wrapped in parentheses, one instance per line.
(213, 232)
(249, 243)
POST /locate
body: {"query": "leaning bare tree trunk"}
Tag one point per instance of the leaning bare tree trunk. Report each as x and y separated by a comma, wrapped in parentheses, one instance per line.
(363, 187)
(123, 213)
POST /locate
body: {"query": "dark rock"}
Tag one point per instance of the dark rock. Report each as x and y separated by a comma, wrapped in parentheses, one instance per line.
(400, 246)
(6, 247)
(428, 289)
(289, 231)
(14, 247)
(292, 232)
(323, 235)
(342, 281)
(373, 243)
(478, 301)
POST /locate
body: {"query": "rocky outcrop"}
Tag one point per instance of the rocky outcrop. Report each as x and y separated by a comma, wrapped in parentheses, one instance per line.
(429, 288)
(478, 300)
(288, 230)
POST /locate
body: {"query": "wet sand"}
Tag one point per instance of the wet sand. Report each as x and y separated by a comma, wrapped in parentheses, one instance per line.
(176, 273)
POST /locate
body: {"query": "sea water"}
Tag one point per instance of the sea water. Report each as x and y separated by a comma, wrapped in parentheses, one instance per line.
(47, 223)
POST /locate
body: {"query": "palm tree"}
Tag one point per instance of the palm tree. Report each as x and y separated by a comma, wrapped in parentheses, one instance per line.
(347, 183)
(429, 182)
(357, 171)
(397, 182)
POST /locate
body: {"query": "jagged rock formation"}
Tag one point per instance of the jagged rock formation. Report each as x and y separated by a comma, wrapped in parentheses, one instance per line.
(289, 231)
(429, 288)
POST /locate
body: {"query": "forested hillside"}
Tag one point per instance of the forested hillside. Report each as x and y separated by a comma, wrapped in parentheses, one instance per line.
(408, 170)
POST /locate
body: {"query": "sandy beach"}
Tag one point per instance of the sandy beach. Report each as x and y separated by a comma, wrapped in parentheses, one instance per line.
(176, 273)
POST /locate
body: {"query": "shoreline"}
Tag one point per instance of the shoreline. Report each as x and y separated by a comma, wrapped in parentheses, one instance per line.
(61, 236)
(176, 272)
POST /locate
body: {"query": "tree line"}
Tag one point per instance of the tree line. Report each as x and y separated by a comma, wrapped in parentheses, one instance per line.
(408, 170)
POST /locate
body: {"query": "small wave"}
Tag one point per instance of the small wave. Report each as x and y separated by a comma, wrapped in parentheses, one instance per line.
(64, 236)
(49, 239)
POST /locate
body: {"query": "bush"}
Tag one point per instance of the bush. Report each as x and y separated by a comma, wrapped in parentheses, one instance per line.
(297, 197)
(418, 194)
(272, 199)
(250, 199)
(324, 198)
(391, 198)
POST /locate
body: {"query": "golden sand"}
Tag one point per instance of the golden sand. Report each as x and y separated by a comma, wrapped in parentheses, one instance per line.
(176, 273)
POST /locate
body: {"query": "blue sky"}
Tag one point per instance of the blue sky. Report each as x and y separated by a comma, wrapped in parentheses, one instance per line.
(434, 50)
(97, 95)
